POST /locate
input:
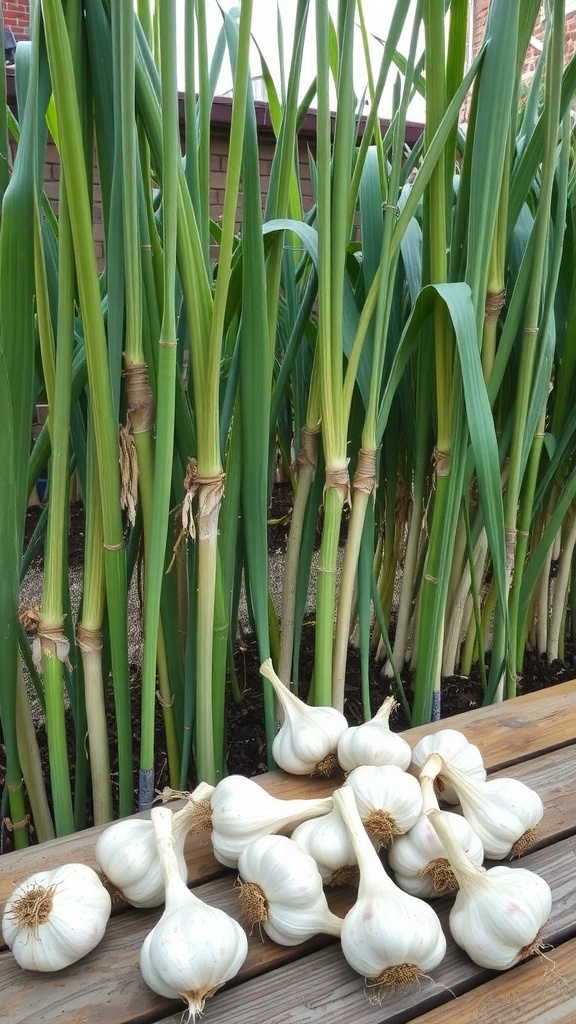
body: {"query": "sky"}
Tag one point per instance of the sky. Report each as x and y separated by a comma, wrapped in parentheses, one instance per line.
(376, 12)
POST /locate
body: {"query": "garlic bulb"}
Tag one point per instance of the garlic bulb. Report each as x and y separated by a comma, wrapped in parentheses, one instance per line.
(389, 800)
(126, 852)
(281, 889)
(456, 750)
(418, 858)
(498, 913)
(54, 918)
(374, 742)
(328, 841)
(194, 949)
(306, 742)
(502, 812)
(388, 936)
(241, 811)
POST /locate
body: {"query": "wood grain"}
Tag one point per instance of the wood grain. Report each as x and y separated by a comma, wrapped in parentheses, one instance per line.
(537, 992)
(278, 984)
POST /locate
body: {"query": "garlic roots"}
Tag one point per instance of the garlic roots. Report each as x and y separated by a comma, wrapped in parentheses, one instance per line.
(242, 811)
(54, 918)
(307, 740)
(194, 949)
(281, 889)
(126, 852)
(374, 742)
(388, 936)
(498, 913)
(389, 800)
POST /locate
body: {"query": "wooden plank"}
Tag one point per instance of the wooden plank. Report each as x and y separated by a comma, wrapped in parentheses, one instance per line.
(107, 986)
(516, 729)
(202, 865)
(536, 992)
(323, 989)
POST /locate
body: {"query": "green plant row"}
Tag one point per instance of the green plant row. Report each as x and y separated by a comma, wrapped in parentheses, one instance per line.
(405, 345)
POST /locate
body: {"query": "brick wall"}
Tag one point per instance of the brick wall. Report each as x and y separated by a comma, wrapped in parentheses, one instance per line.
(480, 14)
(16, 17)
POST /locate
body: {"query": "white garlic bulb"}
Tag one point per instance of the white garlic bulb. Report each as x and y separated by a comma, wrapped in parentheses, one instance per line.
(388, 936)
(418, 858)
(195, 948)
(456, 750)
(389, 800)
(503, 812)
(307, 740)
(242, 811)
(328, 841)
(126, 852)
(281, 889)
(56, 917)
(374, 742)
(498, 913)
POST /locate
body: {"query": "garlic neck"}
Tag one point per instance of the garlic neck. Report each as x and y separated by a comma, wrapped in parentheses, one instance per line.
(433, 765)
(429, 800)
(382, 716)
(176, 888)
(368, 860)
(467, 874)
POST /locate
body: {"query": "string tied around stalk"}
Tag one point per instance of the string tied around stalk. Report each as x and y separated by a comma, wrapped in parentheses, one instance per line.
(89, 640)
(510, 535)
(365, 475)
(210, 490)
(50, 640)
(338, 478)
(308, 455)
(493, 305)
(441, 461)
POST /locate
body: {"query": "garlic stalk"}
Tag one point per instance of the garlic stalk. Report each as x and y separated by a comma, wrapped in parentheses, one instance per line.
(374, 742)
(456, 750)
(418, 858)
(241, 811)
(498, 913)
(328, 841)
(307, 740)
(389, 800)
(56, 917)
(388, 936)
(281, 889)
(503, 812)
(126, 852)
(194, 949)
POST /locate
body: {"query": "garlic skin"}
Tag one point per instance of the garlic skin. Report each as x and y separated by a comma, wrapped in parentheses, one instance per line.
(455, 750)
(374, 742)
(242, 811)
(54, 918)
(194, 949)
(328, 841)
(126, 853)
(307, 740)
(498, 913)
(503, 812)
(388, 936)
(284, 881)
(389, 800)
(418, 858)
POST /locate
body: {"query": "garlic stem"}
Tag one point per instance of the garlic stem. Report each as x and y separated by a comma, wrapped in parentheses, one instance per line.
(432, 767)
(162, 818)
(366, 854)
(429, 799)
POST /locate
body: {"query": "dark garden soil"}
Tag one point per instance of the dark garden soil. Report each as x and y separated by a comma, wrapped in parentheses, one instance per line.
(245, 741)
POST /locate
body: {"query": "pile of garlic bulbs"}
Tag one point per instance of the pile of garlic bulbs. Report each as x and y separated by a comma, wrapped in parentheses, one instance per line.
(383, 829)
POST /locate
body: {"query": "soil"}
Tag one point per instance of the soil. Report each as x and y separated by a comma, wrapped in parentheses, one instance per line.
(245, 743)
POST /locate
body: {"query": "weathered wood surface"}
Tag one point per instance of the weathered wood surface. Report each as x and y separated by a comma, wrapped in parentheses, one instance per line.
(312, 984)
(541, 991)
(111, 974)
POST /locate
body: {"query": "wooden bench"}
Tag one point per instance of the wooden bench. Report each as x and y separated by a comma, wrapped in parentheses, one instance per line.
(532, 738)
